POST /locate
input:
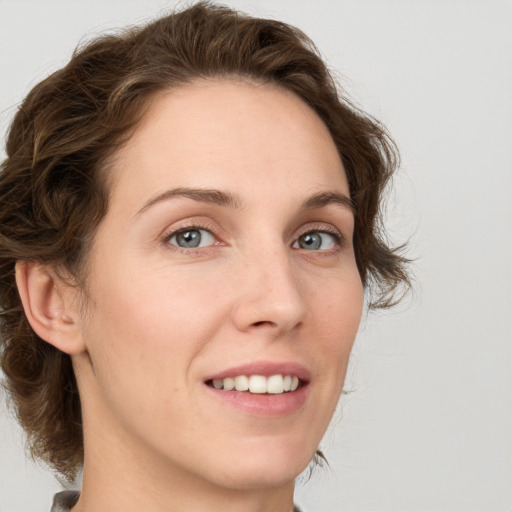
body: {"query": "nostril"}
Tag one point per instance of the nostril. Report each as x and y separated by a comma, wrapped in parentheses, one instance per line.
(261, 323)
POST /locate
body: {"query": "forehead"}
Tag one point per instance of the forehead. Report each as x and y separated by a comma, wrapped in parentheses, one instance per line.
(229, 134)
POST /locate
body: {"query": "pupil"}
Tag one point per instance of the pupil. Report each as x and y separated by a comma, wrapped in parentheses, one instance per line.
(311, 241)
(189, 238)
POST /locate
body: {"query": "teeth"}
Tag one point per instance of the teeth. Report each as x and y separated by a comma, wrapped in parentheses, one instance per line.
(241, 383)
(275, 385)
(257, 384)
(229, 384)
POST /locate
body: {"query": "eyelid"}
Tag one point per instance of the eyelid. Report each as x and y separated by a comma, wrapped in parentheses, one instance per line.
(189, 226)
(210, 238)
(321, 228)
(338, 240)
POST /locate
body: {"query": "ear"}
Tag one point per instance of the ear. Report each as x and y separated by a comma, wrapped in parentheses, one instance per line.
(50, 306)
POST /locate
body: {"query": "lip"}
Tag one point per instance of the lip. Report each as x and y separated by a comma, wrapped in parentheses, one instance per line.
(265, 368)
(263, 405)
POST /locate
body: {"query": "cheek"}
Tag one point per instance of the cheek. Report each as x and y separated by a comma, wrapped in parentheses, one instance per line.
(338, 313)
(339, 302)
(151, 324)
(141, 342)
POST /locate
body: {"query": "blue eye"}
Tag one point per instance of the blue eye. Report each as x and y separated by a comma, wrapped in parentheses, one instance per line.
(192, 238)
(316, 241)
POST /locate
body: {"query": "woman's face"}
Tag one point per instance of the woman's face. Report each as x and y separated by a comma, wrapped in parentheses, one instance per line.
(225, 257)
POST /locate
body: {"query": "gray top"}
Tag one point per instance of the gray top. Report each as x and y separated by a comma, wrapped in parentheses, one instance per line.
(63, 501)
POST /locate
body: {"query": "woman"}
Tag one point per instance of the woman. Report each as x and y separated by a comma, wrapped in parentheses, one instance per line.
(189, 216)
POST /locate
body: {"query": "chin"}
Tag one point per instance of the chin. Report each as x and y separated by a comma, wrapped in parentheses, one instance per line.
(265, 468)
(258, 478)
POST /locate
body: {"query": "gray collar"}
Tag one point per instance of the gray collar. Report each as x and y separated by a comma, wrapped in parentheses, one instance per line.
(63, 501)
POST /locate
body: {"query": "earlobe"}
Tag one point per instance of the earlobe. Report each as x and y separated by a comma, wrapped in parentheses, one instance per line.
(49, 306)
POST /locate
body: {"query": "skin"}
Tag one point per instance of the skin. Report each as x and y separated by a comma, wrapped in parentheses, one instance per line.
(159, 318)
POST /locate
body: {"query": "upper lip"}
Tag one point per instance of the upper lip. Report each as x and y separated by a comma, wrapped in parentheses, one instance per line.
(265, 368)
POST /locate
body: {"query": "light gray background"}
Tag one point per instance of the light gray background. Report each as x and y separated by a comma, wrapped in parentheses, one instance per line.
(429, 424)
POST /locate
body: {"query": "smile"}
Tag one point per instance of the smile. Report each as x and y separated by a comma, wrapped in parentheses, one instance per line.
(262, 388)
(257, 384)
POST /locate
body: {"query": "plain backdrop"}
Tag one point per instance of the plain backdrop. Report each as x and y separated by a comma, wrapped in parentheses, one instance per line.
(426, 424)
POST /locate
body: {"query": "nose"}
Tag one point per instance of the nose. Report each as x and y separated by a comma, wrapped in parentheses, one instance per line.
(270, 295)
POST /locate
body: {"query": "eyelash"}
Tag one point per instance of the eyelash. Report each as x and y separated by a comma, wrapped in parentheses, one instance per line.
(190, 227)
(338, 238)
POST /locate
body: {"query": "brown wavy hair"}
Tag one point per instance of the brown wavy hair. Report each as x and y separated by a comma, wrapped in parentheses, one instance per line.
(54, 193)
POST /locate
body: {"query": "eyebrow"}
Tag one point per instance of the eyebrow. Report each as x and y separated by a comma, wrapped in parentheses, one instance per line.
(326, 198)
(221, 198)
(203, 195)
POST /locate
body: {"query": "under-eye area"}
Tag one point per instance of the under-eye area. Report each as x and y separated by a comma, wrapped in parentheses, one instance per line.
(259, 384)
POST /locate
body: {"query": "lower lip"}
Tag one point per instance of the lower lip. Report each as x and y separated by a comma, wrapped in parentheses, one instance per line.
(264, 404)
